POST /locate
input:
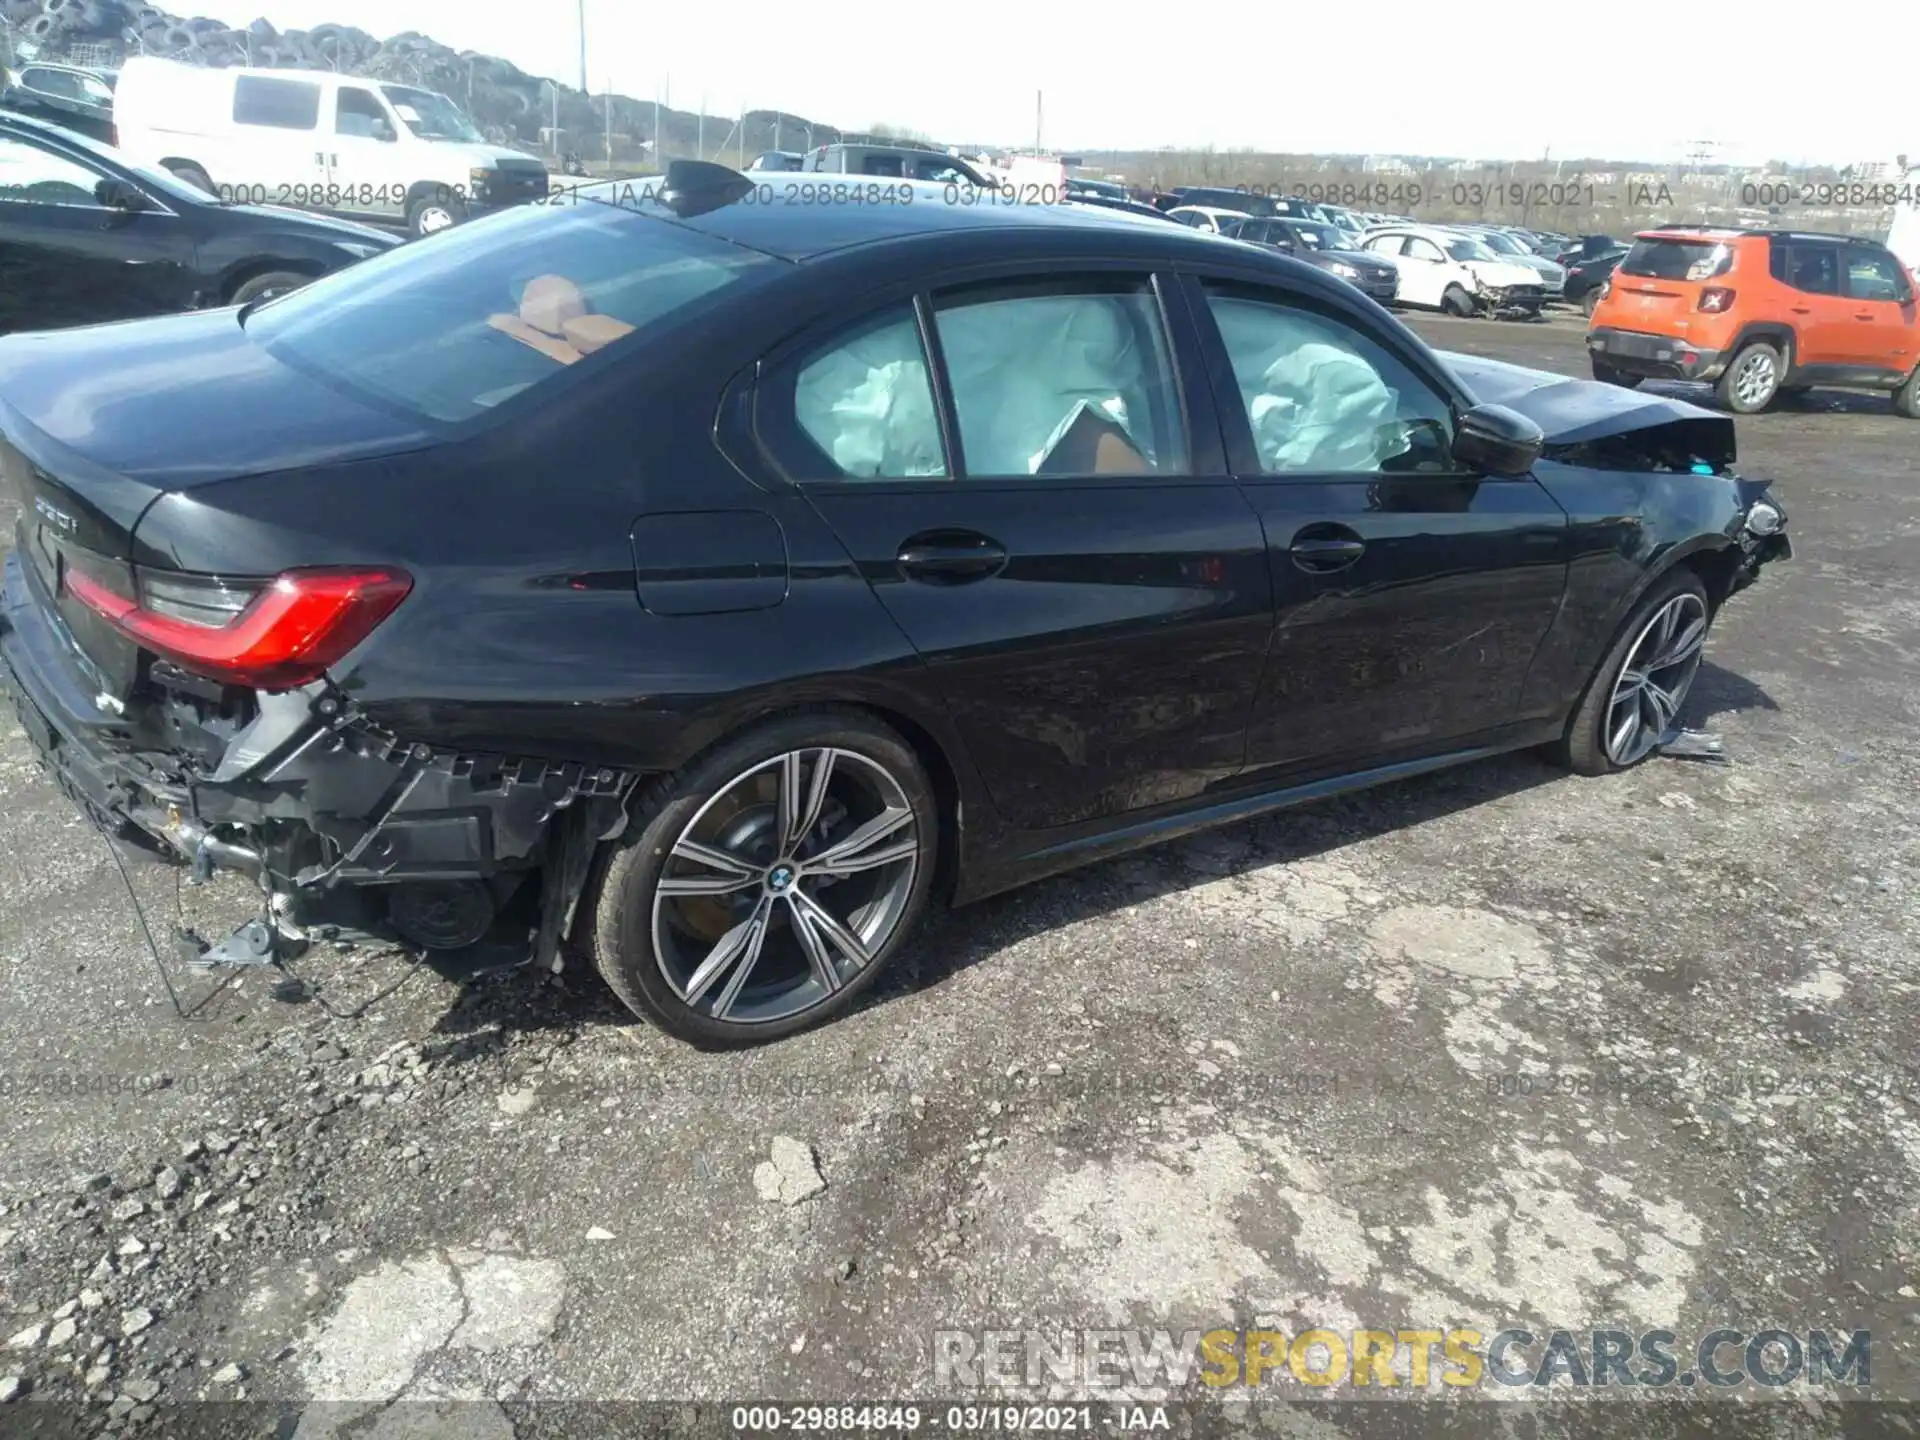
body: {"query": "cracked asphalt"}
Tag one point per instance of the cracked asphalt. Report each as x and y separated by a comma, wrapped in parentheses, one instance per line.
(1497, 1047)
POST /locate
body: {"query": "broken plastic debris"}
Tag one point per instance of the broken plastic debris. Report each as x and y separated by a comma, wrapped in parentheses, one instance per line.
(1682, 744)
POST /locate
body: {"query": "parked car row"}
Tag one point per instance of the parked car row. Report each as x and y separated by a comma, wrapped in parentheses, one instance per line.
(937, 520)
(89, 235)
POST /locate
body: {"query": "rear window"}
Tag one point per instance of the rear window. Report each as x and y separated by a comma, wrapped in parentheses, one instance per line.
(1677, 259)
(448, 329)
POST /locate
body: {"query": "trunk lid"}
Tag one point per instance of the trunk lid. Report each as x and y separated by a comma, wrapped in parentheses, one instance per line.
(98, 423)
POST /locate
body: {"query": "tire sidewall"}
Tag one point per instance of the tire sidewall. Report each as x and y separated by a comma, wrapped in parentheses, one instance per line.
(623, 907)
(1584, 748)
(1727, 392)
(454, 208)
(1457, 302)
(240, 296)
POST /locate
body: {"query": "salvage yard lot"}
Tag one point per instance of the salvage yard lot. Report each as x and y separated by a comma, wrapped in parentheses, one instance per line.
(1495, 1047)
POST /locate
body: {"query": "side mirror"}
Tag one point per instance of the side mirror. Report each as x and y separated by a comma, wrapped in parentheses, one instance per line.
(384, 131)
(121, 196)
(1493, 440)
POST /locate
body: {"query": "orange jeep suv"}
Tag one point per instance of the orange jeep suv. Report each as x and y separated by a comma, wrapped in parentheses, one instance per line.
(1760, 313)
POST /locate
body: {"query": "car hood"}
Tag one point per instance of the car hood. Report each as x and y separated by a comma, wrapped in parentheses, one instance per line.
(1364, 263)
(1577, 412)
(1540, 266)
(1501, 273)
(489, 154)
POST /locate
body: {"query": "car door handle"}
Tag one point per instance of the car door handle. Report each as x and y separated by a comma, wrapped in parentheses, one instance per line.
(951, 557)
(1325, 548)
(1863, 317)
(1801, 309)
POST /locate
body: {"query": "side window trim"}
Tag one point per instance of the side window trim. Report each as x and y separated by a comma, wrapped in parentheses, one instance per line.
(1242, 455)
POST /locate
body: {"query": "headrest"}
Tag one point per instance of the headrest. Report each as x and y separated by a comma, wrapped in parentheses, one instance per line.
(550, 301)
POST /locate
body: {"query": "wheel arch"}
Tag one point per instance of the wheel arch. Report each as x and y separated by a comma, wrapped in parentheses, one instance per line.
(240, 273)
(934, 742)
(1774, 332)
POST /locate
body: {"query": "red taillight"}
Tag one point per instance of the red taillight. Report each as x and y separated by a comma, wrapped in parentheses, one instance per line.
(1715, 299)
(287, 635)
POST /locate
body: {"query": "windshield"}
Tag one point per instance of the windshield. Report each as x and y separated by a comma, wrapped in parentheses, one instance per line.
(449, 330)
(431, 116)
(1464, 249)
(1501, 244)
(1323, 237)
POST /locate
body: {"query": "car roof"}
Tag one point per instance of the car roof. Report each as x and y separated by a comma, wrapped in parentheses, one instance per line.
(1216, 211)
(802, 229)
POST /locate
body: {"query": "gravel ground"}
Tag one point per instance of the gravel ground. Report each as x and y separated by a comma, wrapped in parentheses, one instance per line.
(1493, 1048)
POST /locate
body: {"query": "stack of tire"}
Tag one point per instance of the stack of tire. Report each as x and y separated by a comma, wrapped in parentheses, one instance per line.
(509, 105)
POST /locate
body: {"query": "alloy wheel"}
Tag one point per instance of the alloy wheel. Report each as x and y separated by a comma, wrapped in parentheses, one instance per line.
(1653, 684)
(1756, 379)
(785, 885)
(434, 219)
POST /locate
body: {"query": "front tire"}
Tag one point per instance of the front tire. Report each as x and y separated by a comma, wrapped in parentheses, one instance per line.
(763, 890)
(430, 214)
(267, 287)
(1752, 380)
(1637, 693)
(1458, 302)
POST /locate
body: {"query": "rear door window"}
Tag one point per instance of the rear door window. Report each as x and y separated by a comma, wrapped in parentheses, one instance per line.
(276, 104)
(450, 330)
(1061, 379)
(1810, 268)
(1677, 259)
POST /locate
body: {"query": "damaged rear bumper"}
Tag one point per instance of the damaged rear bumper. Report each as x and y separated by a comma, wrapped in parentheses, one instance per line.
(1655, 357)
(307, 796)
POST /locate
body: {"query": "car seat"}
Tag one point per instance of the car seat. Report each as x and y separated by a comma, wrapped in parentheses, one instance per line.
(556, 318)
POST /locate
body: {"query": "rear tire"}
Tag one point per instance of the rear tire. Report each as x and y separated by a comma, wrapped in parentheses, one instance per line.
(1590, 302)
(1752, 380)
(1599, 739)
(195, 176)
(1458, 302)
(769, 875)
(1906, 399)
(1608, 375)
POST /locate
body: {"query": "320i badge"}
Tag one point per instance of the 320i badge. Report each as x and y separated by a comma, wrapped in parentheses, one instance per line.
(731, 577)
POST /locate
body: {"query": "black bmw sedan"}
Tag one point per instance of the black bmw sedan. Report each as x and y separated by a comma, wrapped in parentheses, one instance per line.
(86, 236)
(716, 576)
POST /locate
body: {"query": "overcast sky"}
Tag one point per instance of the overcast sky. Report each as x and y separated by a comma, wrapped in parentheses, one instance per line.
(1428, 78)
